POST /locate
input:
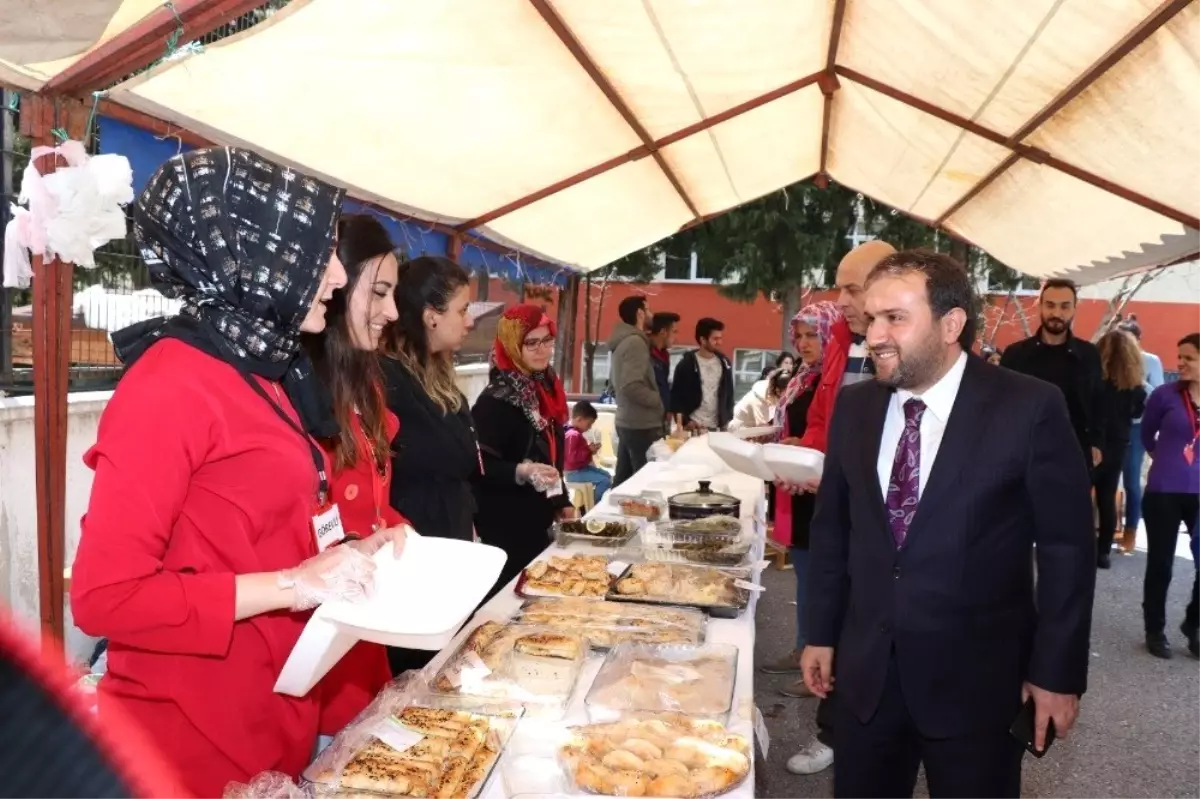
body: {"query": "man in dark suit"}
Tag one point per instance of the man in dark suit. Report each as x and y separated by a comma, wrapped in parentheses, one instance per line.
(940, 477)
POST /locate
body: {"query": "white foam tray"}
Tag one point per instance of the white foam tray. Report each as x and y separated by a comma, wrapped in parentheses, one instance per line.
(741, 456)
(793, 464)
(420, 601)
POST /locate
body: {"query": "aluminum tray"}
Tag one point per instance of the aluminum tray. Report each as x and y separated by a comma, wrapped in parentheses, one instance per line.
(720, 611)
(732, 556)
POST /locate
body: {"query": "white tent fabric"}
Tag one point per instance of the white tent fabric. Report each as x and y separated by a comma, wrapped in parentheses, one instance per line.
(584, 130)
(41, 38)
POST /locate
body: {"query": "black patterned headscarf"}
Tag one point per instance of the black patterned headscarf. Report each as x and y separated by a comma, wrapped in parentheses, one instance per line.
(243, 242)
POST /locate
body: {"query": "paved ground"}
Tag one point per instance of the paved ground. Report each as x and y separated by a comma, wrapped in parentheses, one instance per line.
(1139, 728)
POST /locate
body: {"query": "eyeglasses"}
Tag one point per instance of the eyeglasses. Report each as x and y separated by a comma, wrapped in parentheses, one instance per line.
(538, 343)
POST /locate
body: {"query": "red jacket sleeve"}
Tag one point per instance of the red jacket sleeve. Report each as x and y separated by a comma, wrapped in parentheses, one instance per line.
(393, 517)
(152, 437)
(816, 432)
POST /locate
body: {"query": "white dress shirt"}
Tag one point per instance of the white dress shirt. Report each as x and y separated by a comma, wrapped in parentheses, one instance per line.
(939, 401)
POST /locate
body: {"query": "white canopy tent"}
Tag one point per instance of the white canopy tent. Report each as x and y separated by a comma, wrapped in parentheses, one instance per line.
(1063, 136)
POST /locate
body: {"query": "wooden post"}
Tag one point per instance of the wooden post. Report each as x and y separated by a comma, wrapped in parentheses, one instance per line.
(52, 289)
(564, 356)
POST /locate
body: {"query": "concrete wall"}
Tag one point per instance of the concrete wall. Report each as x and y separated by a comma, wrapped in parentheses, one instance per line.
(18, 494)
(18, 499)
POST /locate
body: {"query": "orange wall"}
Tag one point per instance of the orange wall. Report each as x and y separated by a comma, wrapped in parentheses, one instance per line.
(758, 325)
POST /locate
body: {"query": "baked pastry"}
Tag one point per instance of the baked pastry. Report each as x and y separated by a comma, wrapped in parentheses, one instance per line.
(451, 761)
(689, 585)
(696, 758)
(513, 661)
(605, 624)
(549, 645)
(578, 575)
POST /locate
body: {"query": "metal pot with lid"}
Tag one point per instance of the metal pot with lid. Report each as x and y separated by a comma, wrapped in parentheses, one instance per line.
(703, 503)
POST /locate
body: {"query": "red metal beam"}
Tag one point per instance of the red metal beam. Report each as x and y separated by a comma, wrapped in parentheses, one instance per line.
(1025, 151)
(1161, 16)
(51, 322)
(144, 42)
(643, 151)
(576, 49)
(829, 85)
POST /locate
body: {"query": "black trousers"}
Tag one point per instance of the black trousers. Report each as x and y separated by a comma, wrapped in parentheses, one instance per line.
(881, 758)
(1105, 479)
(826, 710)
(1164, 513)
(631, 451)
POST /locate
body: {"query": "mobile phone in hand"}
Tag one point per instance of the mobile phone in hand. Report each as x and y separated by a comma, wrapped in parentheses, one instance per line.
(1023, 729)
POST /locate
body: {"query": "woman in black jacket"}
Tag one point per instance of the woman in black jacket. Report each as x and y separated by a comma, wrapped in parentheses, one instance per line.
(519, 418)
(1124, 401)
(434, 455)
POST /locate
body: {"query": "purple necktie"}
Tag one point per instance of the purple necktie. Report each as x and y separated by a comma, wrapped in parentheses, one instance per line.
(904, 489)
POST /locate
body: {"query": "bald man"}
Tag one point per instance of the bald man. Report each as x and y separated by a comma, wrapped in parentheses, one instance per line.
(845, 361)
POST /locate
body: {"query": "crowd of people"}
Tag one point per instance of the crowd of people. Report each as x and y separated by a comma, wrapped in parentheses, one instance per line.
(297, 416)
(940, 627)
(301, 413)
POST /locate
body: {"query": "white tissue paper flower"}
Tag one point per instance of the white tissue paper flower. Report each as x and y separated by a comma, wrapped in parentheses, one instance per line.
(71, 212)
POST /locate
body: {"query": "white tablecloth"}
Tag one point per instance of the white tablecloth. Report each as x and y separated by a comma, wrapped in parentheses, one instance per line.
(739, 632)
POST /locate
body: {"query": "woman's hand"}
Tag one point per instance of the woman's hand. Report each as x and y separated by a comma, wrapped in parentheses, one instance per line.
(539, 475)
(790, 488)
(791, 441)
(568, 513)
(373, 543)
(337, 573)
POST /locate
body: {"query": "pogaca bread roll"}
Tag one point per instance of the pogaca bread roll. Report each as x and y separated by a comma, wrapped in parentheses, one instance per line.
(669, 755)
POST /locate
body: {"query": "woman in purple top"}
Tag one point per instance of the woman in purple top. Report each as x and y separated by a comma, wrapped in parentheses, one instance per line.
(1171, 433)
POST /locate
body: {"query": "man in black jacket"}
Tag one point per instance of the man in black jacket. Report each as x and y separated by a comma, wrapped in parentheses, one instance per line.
(1072, 364)
(702, 390)
(941, 475)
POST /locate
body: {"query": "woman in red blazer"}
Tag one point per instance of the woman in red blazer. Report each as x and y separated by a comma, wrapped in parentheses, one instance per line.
(345, 361)
(199, 557)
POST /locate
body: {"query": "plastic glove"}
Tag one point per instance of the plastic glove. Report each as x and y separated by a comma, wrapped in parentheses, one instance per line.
(539, 475)
(340, 572)
(376, 540)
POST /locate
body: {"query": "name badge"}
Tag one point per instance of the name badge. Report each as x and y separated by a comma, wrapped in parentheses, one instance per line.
(328, 528)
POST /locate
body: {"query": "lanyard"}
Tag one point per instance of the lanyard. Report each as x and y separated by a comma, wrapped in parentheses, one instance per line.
(380, 475)
(317, 456)
(1194, 426)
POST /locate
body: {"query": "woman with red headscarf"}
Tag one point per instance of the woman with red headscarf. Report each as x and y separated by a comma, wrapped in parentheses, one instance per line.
(519, 420)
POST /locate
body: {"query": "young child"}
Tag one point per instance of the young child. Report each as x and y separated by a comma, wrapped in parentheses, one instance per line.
(578, 458)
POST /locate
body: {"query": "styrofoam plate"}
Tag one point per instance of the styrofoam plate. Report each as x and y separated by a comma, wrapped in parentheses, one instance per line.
(741, 456)
(793, 464)
(766, 431)
(420, 601)
(431, 588)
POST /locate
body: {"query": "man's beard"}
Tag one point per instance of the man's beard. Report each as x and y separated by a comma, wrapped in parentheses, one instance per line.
(1055, 326)
(917, 366)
